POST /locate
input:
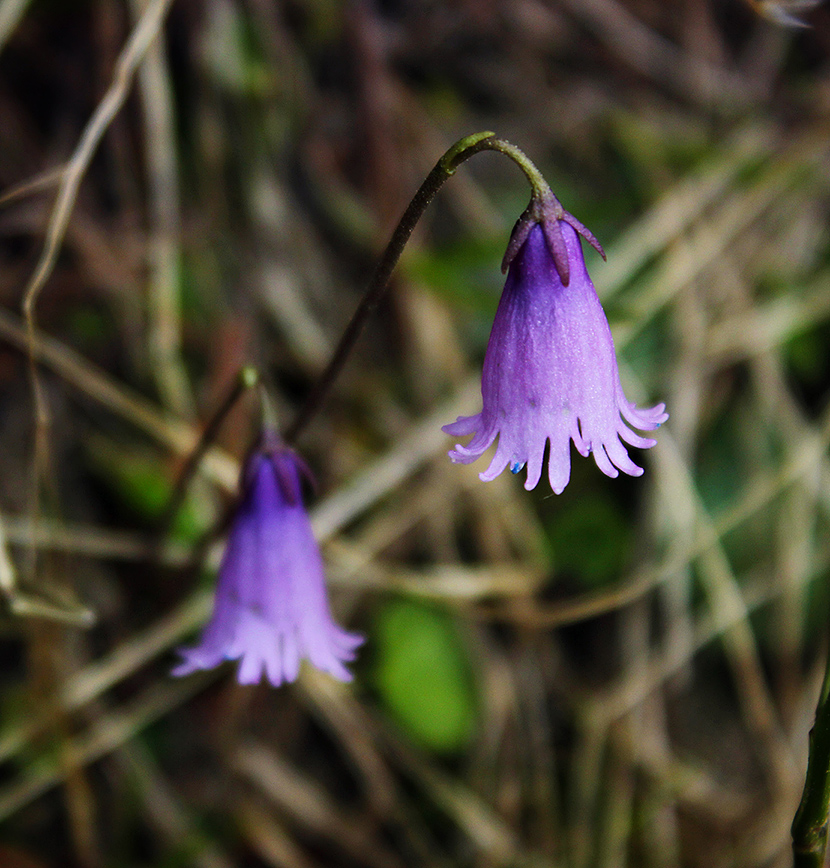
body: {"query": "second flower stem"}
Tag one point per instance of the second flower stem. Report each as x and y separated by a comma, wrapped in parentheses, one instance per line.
(247, 379)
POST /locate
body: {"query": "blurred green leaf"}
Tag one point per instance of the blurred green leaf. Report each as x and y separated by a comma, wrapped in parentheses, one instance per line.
(590, 539)
(231, 53)
(467, 273)
(721, 461)
(142, 484)
(89, 325)
(806, 355)
(423, 675)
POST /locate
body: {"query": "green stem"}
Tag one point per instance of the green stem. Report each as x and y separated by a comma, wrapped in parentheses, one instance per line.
(539, 186)
(809, 829)
(247, 379)
(444, 169)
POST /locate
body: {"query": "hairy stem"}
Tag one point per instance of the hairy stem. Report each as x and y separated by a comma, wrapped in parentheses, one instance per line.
(461, 151)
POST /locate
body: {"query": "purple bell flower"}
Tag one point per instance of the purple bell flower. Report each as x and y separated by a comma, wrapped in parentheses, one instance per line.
(550, 372)
(271, 609)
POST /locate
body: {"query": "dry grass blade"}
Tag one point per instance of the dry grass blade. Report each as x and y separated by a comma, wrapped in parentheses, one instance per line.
(167, 814)
(111, 732)
(119, 399)
(272, 842)
(653, 55)
(768, 326)
(307, 803)
(44, 181)
(422, 441)
(99, 677)
(142, 36)
(480, 823)
(165, 351)
(726, 602)
(11, 11)
(707, 241)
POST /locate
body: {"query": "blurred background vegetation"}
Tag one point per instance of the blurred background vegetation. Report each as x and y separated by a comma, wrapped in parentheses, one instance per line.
(621, 675)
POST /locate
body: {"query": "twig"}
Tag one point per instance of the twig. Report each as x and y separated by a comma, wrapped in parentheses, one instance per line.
(809, 829)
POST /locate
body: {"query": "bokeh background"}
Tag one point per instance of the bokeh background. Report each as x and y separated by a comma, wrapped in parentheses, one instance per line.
(621, 675)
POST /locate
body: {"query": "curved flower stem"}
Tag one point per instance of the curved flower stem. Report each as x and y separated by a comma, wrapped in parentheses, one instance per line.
(248, 378)
(461, 151)
(809, 829)
(539, 186)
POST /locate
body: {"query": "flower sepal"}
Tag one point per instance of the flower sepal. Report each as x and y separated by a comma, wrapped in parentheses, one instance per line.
(546, 210)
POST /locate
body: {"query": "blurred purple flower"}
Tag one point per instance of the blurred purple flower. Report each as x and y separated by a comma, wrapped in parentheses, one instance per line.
(550, 372)
(271, 608)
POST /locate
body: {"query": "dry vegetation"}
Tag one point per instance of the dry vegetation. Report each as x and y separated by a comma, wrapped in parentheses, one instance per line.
(624, 674)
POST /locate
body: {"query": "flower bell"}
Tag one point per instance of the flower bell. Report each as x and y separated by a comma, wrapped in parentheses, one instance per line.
(550, 371)
(271, 609)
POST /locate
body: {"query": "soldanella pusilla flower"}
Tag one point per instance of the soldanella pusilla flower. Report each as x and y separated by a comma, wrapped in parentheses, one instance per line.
(550, 372)
(271, 608)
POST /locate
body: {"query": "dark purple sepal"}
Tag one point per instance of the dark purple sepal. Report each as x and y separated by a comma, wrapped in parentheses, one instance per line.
(517, 239)
(585, 233)
(556, 246)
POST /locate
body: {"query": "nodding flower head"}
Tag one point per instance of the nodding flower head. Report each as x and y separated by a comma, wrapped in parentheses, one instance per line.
(550, 372)
(271, 609)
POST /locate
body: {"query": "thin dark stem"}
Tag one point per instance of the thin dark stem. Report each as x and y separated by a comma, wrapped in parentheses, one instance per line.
(809, 829)
(444, 169)
(247, 379)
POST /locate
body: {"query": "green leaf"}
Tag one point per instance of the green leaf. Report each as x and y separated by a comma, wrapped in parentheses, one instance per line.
(423, 676)
(142, 483)
(466, 273)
